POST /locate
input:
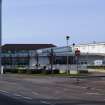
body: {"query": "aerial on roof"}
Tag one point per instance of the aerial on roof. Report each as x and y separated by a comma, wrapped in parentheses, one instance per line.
(26, 46)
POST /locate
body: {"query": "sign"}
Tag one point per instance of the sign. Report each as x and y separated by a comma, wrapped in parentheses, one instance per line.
(77, 52)
(98, 62)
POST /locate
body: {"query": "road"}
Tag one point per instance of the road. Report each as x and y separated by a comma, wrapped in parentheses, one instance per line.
(7, 100)
(43, 90)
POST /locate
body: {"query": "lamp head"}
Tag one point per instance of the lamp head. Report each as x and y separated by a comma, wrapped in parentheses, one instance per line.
(67, 37)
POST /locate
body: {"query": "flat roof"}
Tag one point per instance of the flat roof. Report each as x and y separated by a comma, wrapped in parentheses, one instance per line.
(16, 47)
(93, 43)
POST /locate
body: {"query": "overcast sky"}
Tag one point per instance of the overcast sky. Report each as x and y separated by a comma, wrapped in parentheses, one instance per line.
(49, 21)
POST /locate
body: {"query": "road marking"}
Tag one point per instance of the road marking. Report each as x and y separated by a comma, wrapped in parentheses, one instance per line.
(18, 95)
(44, 96)
(93, 93)
(29, 98)
(4, 91)
(82, 87)
(35, 93)
(98, 89)
(45, 102)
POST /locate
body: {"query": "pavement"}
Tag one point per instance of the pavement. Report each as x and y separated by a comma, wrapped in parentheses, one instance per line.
(48, 90)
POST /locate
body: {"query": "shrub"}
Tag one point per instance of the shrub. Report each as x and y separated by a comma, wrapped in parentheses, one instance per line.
(22, 70)
(10, 70)
(96, 67)
(7, 70)
(57, 71)
(83, 71)
(47, 72)
(14, 70)
(34, 71)
(51, 72)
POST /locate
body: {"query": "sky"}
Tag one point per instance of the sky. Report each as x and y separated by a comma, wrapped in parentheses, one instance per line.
(50, 21)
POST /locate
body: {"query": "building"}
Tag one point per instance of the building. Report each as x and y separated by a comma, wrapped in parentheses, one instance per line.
(91, 53)
(40, 55)
(19, 55)
(94, 47)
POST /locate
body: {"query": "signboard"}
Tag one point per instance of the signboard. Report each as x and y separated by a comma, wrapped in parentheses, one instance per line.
(98, 62)
(77, 52)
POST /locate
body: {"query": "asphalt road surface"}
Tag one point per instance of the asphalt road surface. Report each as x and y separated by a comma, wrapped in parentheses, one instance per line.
(43, 90)
(7, 100)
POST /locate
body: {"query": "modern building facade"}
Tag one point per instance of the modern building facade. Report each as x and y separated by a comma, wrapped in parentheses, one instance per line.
(94, 47)
(20, 55)
(39, 55)
(92, 53)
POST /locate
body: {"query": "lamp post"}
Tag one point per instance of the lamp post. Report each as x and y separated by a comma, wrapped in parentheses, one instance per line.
(67, 39)
(37, 60)
(0, 35)
(77, 54)
(73, 49)
(51, 59)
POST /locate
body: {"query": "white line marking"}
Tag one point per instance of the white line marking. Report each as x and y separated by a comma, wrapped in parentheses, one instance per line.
(42, 96)
(4, 91)
(44, 102)
(18, 95)
(29, 98)
(82, 87)
(98, 89)
(35, 93)
(93, 93)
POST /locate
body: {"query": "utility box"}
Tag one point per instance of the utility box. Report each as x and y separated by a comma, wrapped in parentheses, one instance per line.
(2, 71)
(98, 62)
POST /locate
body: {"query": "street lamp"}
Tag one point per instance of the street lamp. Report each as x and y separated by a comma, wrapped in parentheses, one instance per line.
(73, 49)
(67, 39)
(73, 45)
(0, 35)
(37, 60)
